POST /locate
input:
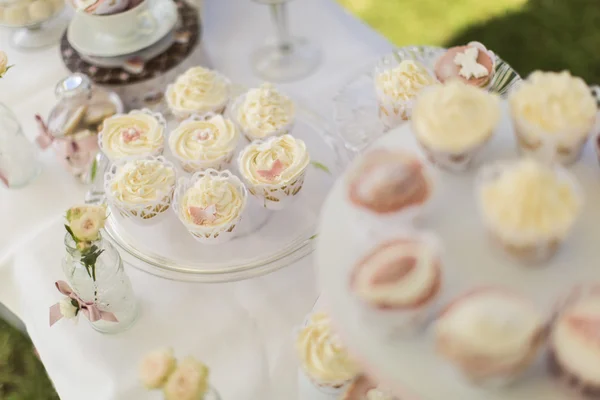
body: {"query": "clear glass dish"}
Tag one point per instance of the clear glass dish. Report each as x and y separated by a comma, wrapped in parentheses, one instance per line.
(355, 105)
(267, 240)
(36, 24)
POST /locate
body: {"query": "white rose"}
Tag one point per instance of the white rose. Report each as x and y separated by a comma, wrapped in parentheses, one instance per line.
(188, 382)
(87, 227)
(156, 367)
(76, 212)
(67, 309)
(3, 63)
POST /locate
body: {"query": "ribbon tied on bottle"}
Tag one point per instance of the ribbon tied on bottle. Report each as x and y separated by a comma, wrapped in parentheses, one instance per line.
(89, 309)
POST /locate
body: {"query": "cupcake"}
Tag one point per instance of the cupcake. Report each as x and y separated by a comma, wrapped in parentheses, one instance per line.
(473, 64)
(490, 335)
(198, 91)
(134, 135)
(553, 115)
(529, 208)
(398, 281)
(453, 121)
(210, 204)
(140, 189)
(365, 389)
(323, 358)
(264, 112)
(204, 142)
(574, 354)
(274, 169)
(390, 187)
(397, 89)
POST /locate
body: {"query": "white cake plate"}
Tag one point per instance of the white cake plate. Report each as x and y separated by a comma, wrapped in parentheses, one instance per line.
(411, 366)
(266, 240)
(355, 105)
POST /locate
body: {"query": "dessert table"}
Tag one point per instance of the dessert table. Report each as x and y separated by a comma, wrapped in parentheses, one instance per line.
(242, 330)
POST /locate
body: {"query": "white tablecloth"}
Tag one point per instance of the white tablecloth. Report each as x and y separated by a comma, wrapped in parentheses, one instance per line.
(242, 329)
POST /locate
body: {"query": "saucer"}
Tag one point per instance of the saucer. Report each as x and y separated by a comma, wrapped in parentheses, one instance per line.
(144, 55)
(96, 44)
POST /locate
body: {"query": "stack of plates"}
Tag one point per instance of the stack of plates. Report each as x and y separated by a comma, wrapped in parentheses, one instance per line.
(138, 67)
(106, 51)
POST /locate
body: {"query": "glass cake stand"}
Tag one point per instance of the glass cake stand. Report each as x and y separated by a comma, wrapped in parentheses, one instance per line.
(36, 24)
(355, 105)
(266, 240)
(410, 365)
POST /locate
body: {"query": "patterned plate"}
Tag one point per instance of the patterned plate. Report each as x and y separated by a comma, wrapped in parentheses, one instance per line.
(355, 105)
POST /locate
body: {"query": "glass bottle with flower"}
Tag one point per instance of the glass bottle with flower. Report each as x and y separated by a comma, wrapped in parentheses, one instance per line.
(94, 270)
(19, 163)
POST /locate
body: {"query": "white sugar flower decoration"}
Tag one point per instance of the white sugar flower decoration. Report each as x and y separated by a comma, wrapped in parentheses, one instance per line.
(156, 367)
(188, 382)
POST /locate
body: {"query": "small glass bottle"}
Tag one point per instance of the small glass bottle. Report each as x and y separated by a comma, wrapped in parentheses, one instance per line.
(111, 289)
(74, 122)
(19, 163)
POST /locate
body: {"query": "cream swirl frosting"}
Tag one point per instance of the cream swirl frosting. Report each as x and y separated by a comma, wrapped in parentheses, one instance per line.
(575, 339)
(264, 111)
(555, 102)
(398, 273)
(199, 90)
(142, 182)
(531, 199)
(405, 81)
(322, 355)
(379, 394)
(278, 160)
(455, 116)
(132, 135)
(207, 140)
(208, 191)
(492, 323)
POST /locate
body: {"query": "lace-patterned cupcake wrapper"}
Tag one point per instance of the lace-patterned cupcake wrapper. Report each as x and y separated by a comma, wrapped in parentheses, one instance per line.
(218, 164)
(277, 197)
(209, 234)
(393, 113)
(145, 213)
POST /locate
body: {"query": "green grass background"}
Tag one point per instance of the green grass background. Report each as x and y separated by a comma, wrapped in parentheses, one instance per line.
(529, 35)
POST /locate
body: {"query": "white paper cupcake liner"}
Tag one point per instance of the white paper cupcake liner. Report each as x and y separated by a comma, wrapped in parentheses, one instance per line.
(454, 161)
(564, 148)
(151, 152)
(215, 234)
(393, 112)
(192, 166)
(522, 245)
(182, 114)
(235, 106)
(142, 214)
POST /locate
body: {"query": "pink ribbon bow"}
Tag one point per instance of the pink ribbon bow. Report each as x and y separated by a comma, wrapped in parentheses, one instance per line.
(89, 309)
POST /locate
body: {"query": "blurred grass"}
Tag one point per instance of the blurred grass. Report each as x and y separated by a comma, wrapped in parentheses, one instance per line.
(22, 375)
(535, 34)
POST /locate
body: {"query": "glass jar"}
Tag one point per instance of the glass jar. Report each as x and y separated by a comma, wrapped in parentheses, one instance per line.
(74, 122)
(110, 290)
(19, 163)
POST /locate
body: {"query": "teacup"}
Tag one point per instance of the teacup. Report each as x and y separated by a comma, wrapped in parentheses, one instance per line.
(131, 23)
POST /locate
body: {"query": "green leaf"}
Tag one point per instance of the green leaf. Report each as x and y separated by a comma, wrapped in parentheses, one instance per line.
(320, 166)
(94, 170)
(313, 236)
(68, 228)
